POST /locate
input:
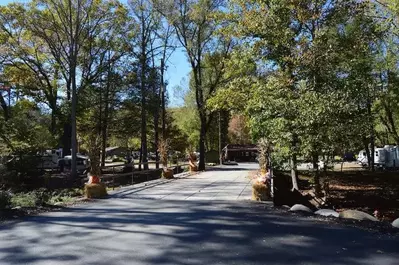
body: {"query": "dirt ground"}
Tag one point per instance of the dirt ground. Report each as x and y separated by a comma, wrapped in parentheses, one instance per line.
(361, 190)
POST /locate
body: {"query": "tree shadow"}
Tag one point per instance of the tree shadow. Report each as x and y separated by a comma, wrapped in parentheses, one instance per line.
(143, 231)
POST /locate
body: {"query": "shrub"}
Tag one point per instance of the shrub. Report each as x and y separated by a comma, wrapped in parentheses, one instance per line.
(31, 199)
(24, 200)
(60, 199)
(5, 200)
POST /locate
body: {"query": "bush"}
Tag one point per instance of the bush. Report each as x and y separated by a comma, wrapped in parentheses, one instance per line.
(31, 199)
(5, 200)
(24, 200)
(42, 197)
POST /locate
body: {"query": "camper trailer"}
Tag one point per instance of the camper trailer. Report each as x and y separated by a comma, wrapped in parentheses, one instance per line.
(386, 157)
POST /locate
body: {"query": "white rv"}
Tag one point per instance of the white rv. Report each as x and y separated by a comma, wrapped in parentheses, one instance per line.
(386, 157)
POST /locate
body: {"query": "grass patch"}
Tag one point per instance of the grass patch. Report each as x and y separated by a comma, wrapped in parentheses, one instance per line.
(44, 197)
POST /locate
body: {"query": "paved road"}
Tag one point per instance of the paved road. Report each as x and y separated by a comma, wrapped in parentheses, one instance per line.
(202, 219)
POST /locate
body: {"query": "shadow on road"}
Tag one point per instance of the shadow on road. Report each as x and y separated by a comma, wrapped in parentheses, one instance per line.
(142, 231)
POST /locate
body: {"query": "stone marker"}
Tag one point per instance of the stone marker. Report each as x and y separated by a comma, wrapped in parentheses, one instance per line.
(327, 212)
(357, 215)
(300, 208)
(396, 223)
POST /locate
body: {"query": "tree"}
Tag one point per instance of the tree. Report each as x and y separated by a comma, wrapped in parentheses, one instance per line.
(70, 28)
(29, 63)
(302, 51)
(238, 130)
(148, 22)
(195, 31)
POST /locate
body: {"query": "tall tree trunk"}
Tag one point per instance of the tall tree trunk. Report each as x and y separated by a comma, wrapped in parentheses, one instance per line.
(372, 151)
(144, 133)
(220, 138)
(202, 138)
(158, 101)
(67, 134)
(372, 138)
(294, 171)
(156, 137)
(53, 125)
(315, 160)
(367, 149)
(141, 157)
(74, 143)
(104, 129)
(5, 108)
(163, 110)
(68, 88)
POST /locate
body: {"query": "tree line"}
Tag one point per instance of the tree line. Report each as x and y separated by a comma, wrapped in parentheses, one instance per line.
(314, 77)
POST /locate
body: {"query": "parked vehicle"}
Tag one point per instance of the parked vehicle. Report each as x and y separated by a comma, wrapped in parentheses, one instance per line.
(320, 164)
(349, 157)
(136, 154)
(386, 157)
(82, 163)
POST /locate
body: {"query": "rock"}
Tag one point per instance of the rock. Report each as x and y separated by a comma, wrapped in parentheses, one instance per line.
(396, 223)
(16, 208)
(327, 212)
(300, 208)
(357, 215)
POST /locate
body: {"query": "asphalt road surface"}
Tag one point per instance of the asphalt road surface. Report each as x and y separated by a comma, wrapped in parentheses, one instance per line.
(201, 219)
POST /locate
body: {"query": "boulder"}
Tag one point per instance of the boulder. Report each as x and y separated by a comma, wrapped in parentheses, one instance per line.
(396, 223)
(357, 215)
(300, 208)
(327, 212)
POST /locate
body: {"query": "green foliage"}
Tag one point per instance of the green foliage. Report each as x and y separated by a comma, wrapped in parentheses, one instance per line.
(26, 130)
(65, 196)
(42, 196)
(30, 199)
(309, 91)
(313, 77)
(187, 121)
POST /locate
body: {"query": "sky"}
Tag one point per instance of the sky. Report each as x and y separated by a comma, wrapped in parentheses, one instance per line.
(177, 71)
